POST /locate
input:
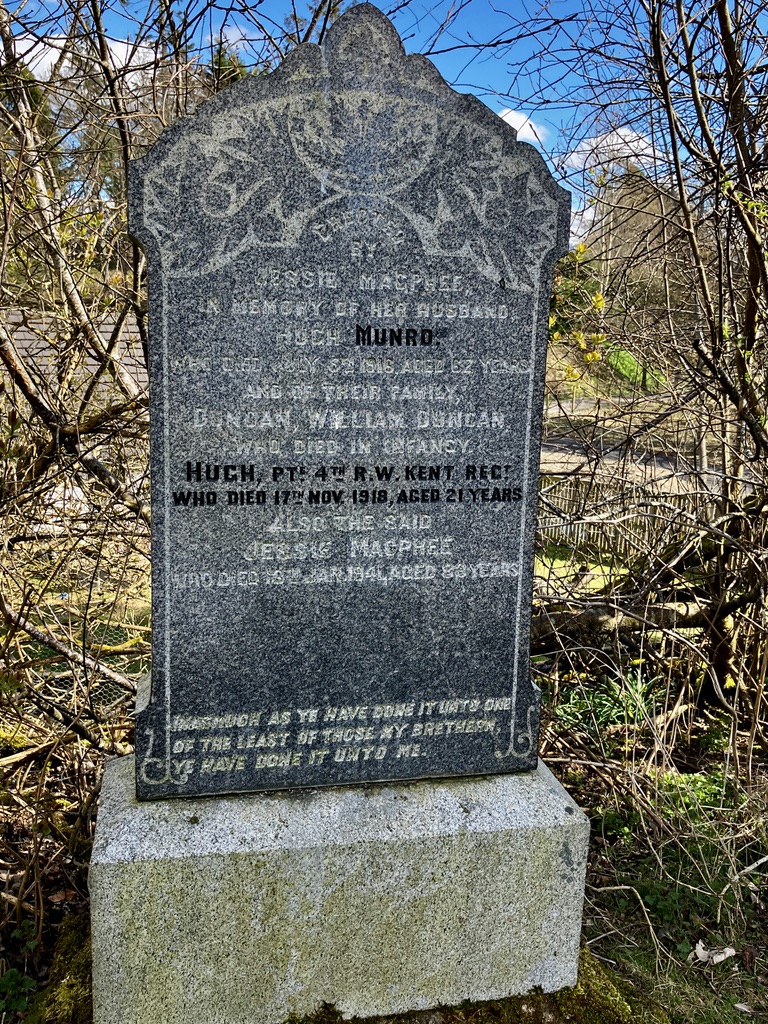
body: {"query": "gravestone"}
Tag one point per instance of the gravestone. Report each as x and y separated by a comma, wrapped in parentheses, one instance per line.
(349, 272)
(348, 293)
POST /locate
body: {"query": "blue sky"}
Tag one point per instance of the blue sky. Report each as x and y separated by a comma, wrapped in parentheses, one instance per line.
(482, 69)
(444, 29)
(484, 72)
(476, 45)
(502, 51)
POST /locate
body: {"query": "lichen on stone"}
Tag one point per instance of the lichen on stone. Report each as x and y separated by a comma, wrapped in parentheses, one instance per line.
(599, 997)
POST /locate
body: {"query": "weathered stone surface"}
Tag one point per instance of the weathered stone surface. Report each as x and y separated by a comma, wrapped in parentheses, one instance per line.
(379, 900)
(349, 269)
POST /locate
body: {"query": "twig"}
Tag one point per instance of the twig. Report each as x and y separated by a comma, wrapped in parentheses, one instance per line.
(631, 888)
(13, 760)
(77, 657)
(744, 871)
(15, 901)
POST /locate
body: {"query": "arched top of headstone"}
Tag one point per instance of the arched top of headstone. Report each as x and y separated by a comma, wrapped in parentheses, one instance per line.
(352, 120)
(356, 48)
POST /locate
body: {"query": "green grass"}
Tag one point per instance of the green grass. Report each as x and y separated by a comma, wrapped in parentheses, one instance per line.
(633, 372)
(690, 993)
(566, 565)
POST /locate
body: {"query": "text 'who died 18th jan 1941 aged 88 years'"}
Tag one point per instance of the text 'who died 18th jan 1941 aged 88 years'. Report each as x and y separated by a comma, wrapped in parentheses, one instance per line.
(349, 272)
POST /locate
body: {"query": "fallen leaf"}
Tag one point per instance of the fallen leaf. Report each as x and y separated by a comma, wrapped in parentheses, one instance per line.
(748, 957)
(62, 895)
(719, 955)
(712, 956)
(743, 1007)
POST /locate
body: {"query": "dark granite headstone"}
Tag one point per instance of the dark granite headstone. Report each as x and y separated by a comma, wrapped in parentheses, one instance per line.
(349, 271)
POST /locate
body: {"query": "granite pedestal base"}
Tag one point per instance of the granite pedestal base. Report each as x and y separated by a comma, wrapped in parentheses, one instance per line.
(380, 900)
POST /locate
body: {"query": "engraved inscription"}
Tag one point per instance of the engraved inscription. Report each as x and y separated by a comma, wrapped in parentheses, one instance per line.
(295, 737)
(349, 276)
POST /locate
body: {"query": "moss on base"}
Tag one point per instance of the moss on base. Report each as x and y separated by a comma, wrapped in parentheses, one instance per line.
(66, 999)
(598, 998)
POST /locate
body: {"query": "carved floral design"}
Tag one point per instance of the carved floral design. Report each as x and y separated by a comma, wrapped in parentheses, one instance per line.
(337, 130)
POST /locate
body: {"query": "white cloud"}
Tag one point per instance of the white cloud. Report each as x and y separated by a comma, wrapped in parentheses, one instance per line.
(622, 146)
(40, 55)
(237, 37)
(128, 56)
(527, 130)
(581, 222)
